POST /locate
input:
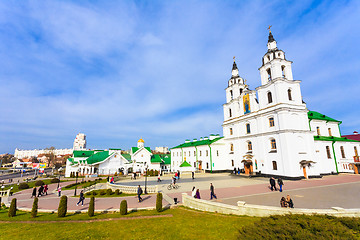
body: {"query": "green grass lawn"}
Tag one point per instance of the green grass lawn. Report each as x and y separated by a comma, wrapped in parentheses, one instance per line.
(98, 195)
(184, 224)
(31, 184)
(84, 184)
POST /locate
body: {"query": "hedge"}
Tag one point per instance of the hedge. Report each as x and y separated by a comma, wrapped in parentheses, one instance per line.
(91, 209)
(123, 207)
(62, 206)
(159, 202)
(12, 209)
(23, 186)
(39, 183)
(55, 180)
(34, 209)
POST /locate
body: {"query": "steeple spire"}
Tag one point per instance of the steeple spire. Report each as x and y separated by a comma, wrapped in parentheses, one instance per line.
(271, 37)
(235, 70)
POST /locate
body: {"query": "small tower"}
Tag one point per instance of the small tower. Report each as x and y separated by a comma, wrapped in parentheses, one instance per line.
(236, 84)
(140, 143)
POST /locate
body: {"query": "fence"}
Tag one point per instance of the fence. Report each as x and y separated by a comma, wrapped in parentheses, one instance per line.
(131, 189)
(261, 211)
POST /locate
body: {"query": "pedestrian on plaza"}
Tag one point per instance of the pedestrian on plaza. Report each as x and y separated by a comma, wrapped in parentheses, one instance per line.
(178, 174)
(283, 202)
(193, 192)
(45, 189)
(235, 170)
(289, 202)
(193, 175)
(173, 181)
(81, 198)
(159, 180)
(139, 192)
(272, 184)
(33, 192)
(59, 190)
(112, 180)
(107, 179)
(40, 191)
(239, 171)
(281, 183)
(197, 195)
(212, 192)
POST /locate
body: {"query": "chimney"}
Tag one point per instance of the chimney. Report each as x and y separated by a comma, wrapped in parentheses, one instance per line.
(355, 133)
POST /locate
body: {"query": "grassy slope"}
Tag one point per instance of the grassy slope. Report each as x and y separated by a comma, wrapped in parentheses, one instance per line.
(184, 224)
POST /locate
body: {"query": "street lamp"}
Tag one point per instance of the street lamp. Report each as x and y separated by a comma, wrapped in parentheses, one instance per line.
(77, 174)
(146, 168)
(59, 170)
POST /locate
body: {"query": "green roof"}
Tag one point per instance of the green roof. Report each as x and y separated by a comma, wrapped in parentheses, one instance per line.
(336, 139)
(126, 156)
(156, 158)
(80, 153)
(185, 164)
(72, 161)
(198, 143)
(167, 159)
(97, 157)
(134, 149)
(319, 116)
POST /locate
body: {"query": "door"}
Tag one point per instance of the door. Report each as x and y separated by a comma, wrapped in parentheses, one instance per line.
(304, 171)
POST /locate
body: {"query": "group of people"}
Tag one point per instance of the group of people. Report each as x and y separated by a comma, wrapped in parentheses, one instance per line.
(43, 189)
(237, 171)
(195, 193)
(286, 202)
(273, 184)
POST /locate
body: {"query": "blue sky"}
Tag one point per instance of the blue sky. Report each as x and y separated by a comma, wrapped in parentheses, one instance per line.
(121, 70)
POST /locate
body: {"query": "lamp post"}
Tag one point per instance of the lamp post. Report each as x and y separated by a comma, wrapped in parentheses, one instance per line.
(146, 168)
(59, 170)
(77, 174)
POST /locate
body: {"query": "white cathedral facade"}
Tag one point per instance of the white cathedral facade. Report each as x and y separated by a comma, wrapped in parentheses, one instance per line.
(270, 131)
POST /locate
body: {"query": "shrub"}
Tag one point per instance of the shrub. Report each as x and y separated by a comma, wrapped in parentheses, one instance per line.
(109, 191)
(62, 206)
(123, 207)
(23, 186)
(102, 192)
(117, 192)
(39, 183)
(115, 174)
(159, 202)
(91, 207)
(12, 209)
(55, 180)
(94, 193)
(34, 209)
(88, 193)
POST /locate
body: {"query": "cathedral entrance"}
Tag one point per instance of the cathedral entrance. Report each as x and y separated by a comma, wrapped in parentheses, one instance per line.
(304, 164)
(200, 165)
(248, 166)
(304, 171)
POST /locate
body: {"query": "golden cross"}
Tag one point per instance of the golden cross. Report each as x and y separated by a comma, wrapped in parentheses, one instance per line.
(234, 58)
(269, 28)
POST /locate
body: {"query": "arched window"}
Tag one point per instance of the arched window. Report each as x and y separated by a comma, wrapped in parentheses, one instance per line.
(283, 71)
(318, 131)
(231, 147)
(194, 153)
(269, 74)
(273, 144)
(269, 97)
(232, 163)
(248, 130)
(230, 114)
(271, 122)
(268, 57)
(356, 152)
(231, 94)
(329, 130)
(231, 131)
(249, 146)
(207, 153)
(328, 152)
(274, 165)
(200, 153)
(241, 90)
(342, 152)
(289, 94)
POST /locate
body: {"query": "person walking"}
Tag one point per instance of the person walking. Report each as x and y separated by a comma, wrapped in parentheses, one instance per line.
(235, 170)
(59, 190)
(139, 192)
(81, 198)
(178, 174)
(197, 195)
(289, 202)
(193, 175)
(40, 191)
(239, 171)
(272, 184)
(45, 189)
(281, 183)
(193, 192)
(33, 192)
(159, 180)
(212, 192)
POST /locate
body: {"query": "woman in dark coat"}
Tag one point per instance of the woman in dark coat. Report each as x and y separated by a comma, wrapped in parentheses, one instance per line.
(283, 202)
(281, 183)
(33, 192)
(197, 194)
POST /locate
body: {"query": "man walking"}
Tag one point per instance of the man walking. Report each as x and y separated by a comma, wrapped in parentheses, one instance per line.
(272, 184)
(212, 192)
(81, 199)
(281, 183)
(193, 175)
(139, 192)
(33, 192)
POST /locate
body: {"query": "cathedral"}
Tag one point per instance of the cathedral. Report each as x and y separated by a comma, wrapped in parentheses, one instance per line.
(269, 131)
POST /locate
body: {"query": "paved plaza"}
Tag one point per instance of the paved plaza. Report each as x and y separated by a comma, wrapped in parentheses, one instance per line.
(330, 191)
